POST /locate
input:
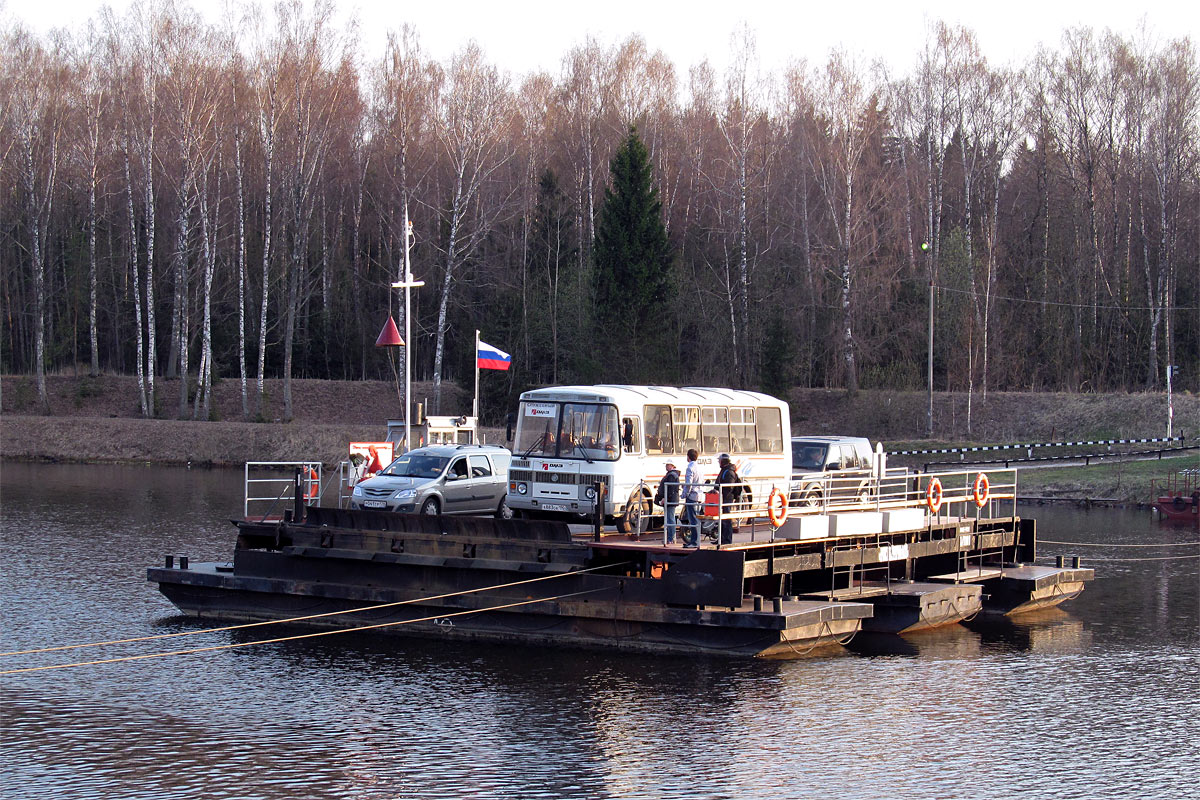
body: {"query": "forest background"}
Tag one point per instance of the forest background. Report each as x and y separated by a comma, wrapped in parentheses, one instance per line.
(228, 202)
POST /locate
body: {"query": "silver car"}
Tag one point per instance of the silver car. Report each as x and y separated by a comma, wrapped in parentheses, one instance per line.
(830, 469)
(440, 479)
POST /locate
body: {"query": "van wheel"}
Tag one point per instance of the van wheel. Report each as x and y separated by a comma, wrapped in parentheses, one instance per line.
(430, 507)
(503, 511)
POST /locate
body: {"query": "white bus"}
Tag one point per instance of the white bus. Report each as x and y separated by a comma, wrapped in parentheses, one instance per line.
(569, 439)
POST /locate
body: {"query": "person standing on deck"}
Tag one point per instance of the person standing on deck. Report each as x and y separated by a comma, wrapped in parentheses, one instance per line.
(730, 486)
(691, 499)
(668, 497)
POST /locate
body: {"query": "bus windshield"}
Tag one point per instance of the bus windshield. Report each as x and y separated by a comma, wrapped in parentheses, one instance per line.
(568, 430)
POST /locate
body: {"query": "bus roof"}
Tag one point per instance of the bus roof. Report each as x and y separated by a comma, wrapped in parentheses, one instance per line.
(652, 395)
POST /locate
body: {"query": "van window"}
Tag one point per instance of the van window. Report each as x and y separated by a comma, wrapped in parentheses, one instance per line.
(458, 469)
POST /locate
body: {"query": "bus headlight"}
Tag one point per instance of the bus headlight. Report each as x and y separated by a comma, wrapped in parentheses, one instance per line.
(521, 488)
(590, 493)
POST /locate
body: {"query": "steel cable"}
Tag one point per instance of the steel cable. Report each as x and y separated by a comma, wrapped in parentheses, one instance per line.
(213, 648)
(244, 625)
(1102, 544)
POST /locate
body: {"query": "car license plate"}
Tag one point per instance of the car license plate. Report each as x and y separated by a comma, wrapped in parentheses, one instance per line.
(553, 507)
(374, 504)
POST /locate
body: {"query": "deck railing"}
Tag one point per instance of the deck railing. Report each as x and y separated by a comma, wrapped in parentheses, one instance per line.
(958, 494)
(270, 486)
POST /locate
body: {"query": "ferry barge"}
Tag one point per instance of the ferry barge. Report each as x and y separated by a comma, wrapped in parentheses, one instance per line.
(788, 584)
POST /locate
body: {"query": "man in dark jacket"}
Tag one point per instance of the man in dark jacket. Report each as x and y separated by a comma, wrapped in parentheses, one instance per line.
(730, 486)
(668, 497)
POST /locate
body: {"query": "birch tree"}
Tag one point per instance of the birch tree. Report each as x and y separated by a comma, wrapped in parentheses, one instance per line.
(471, 114)
(37, 121)
(844, 103)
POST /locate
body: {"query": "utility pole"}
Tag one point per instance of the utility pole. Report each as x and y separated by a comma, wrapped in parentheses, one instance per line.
(406, 284)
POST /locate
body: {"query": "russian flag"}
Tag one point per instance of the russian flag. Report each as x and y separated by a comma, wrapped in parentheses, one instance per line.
(488, 357)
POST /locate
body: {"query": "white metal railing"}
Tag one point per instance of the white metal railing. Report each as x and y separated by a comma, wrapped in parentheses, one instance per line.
(271, 486)
(963, 494)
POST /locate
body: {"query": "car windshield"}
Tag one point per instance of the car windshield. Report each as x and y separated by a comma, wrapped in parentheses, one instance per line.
(808, 455)
(416, 466)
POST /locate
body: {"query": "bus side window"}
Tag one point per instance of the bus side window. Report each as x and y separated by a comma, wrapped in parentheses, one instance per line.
(658, 430)
(629, 434)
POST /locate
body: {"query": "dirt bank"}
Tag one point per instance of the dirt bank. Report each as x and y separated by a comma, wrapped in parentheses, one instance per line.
(98, 420)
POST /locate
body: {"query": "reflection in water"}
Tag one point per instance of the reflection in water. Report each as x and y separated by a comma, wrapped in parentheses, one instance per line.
(1097, 699)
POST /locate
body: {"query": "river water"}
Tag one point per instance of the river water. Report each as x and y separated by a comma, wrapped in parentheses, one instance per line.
(1098, 699)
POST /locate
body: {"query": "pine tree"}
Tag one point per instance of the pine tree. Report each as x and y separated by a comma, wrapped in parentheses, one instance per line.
(633, 263)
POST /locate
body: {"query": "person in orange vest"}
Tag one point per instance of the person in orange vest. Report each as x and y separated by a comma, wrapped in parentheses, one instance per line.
(373, 465)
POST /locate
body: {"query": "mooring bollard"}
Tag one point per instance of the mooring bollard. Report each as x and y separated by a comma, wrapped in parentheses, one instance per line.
(1074, 562)
(170, 562)
(1059, 561)
(183, 562)
(757, 602)
(777, 605)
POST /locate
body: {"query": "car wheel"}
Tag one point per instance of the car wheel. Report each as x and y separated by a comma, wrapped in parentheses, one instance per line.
(431, 508)
(503, 511)
(812, 498)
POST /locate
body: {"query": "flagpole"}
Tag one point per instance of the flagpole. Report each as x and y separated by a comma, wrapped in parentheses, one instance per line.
(476, 406)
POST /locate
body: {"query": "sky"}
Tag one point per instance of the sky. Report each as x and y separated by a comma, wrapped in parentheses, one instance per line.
(524, 36)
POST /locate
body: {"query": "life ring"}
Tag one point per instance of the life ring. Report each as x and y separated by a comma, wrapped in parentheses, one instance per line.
(777, 508)
(981, 489)
(314, 486)
(933, 495)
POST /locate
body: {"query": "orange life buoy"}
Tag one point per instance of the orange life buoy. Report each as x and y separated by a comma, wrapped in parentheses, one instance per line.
(314, 485)
(777, 507)
(982, 489)
(933, 495)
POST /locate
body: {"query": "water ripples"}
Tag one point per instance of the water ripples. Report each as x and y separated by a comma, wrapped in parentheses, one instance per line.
(1098, 700)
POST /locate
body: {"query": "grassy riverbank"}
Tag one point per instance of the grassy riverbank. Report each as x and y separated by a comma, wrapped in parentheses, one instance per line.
(98, 420)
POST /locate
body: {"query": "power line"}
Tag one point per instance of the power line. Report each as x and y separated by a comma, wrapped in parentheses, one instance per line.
(1068, 305)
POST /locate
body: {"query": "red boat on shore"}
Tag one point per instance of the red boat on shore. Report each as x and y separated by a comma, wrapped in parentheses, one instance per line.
(1177, 498)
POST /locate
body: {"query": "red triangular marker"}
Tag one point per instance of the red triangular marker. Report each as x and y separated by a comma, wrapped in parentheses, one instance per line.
(389, 336)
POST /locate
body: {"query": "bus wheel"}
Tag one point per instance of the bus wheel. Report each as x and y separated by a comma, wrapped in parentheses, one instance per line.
(635, 512)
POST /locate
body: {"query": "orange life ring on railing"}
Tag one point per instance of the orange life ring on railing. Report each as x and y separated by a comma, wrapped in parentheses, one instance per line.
(933, 495)
(314, 486)
(982, 489)
(777, 508)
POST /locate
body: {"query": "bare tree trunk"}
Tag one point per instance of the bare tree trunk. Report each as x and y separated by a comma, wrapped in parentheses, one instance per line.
(137, 291)
(93, 336)
(268, 131)
(241, 267)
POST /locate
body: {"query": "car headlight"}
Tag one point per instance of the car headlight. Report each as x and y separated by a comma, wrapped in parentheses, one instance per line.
(358, 492)
(404, 494)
